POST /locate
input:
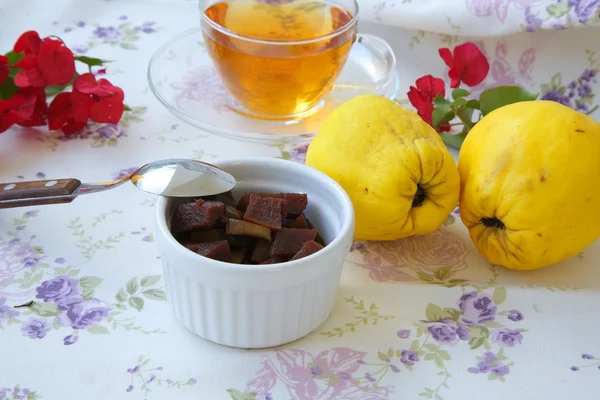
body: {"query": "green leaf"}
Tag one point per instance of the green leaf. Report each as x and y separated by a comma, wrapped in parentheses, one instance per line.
(137, 303)
(13, 57)
(150, 280)
(453, 140)
(558, 10)
(459, 103)
(433, 312)
(451, 313)
(425, 277)
(429, 356)
(73, 272)
(414, 345)
(390, 353)
(443, 273)
(97, 330)
(87, 293)
(431, 347)
(128, 46)
(438, 361)
(473, 104)
(154, 294)
(444, 354)
(499, 295)
(493, 324)
(121, 295)
(478, 335)
(442, 103)
(458, 93)
(382, 356)
(90, 282)
(91, 61)
(8, 89)
(45, 309)
(127, 108)
(438, 117)
(132, 286)
(54, 90)
(334, 379)
(235, 394)
(494, 98)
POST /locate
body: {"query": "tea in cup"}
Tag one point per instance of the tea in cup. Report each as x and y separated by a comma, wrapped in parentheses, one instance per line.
(278, 58)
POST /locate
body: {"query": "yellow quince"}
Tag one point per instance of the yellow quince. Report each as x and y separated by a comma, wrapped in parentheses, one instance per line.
(400, 176)
(528, 184)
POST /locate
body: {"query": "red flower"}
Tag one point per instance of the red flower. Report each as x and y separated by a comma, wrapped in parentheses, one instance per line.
(69, 111)
(422, 96)
(28, 43)
(53, 65)
(38, 117)
(4, 70)
(107, 99)
(15, 109)
(468, 64)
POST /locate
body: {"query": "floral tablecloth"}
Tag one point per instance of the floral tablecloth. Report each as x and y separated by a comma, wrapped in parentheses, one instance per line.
(424, 317)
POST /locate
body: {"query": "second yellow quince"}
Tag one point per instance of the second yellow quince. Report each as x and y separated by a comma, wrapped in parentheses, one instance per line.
(529, 174)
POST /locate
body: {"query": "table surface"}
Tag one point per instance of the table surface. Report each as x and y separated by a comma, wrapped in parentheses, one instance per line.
(532, 334)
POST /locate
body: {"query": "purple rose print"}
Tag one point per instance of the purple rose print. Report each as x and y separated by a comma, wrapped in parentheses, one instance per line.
(108, 33)
(298, 153)
(110, 131)
(584, 9)
(7, 312)
(515, 315)
(58, 290)
(403, 334)
(124, 172)
(448, 332)
(491, 365)
(532, 21)
(82, 315)
(478, 309)
(507, 337)
(146, 236)
(69, 340)
(409, 357)
(17, 393)
(147, 27)
(35, 328)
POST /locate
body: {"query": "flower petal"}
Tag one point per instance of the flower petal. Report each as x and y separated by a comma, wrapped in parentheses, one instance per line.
(29, 43)
(446, 55)
(56, 62)
(107, 110)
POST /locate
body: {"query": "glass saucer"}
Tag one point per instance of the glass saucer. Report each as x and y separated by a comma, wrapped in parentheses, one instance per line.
(181, 75)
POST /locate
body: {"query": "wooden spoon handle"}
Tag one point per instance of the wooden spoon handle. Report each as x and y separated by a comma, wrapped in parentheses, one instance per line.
(31, 193)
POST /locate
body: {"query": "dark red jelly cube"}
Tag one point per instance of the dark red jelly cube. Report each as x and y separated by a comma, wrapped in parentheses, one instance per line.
(294, 203)
(212, 235)
(197, 215)
(289, 241)
(298, 223)
(307, 249)
(245, 199)
(216, 250)
(265, 211)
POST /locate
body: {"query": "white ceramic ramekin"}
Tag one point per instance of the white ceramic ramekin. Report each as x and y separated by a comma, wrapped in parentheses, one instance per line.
(256, 306)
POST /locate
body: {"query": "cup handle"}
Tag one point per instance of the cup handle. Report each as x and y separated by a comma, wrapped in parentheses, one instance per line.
(379, 49)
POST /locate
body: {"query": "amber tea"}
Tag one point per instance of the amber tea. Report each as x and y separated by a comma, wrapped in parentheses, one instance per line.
(278, 59)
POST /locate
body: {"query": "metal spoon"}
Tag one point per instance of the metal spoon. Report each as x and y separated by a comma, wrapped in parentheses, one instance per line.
(170, 178)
